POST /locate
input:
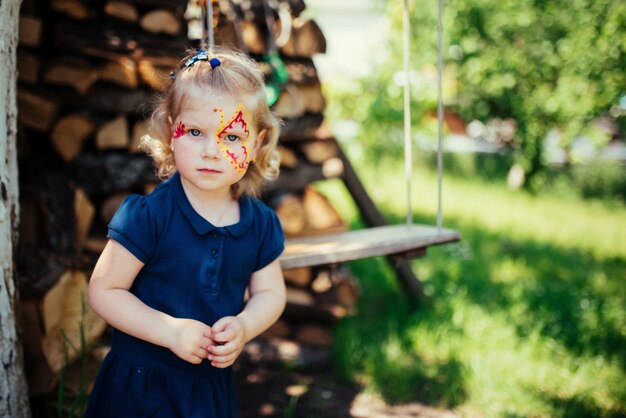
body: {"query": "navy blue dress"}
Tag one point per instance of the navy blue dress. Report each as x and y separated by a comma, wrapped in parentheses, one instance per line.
(192, 270)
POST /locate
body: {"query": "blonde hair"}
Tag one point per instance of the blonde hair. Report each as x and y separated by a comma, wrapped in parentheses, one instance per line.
(238, 75)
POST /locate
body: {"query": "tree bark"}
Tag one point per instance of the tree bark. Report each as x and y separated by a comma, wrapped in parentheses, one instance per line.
(13, 388)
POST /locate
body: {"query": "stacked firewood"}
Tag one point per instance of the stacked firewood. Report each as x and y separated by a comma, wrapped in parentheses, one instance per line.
(87, 74)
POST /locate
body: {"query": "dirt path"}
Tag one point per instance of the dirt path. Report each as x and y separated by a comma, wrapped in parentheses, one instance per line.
(265, 392)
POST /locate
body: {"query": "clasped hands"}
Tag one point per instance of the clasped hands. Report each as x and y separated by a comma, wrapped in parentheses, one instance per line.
(194, 341)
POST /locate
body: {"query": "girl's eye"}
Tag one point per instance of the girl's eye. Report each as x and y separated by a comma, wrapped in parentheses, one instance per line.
(231, 138)
(194, 132)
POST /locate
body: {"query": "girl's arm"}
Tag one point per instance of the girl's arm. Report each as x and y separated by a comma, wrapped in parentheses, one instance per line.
(266, 304)
(109, 297)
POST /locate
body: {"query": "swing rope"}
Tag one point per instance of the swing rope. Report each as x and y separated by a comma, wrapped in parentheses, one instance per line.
(408, 157)
(206, 17)
(439, 113)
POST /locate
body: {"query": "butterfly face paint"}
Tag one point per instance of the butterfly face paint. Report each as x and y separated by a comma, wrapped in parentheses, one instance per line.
(233, 138)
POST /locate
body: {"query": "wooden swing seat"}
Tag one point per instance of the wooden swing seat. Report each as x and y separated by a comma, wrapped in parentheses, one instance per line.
(406, 241)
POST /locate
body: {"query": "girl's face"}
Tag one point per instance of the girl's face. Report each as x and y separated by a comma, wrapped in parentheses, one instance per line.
(214, 141)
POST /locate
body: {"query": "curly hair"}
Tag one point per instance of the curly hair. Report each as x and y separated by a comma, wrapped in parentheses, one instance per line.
(238, 75)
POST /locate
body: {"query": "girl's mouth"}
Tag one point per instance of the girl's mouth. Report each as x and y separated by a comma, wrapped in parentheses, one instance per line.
(208, 171)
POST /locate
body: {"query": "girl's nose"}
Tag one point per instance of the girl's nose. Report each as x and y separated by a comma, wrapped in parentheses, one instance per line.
(210, 149)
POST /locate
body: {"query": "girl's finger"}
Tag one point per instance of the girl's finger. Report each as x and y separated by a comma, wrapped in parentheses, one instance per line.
(225, 349)
(224, 336)
(222, 364)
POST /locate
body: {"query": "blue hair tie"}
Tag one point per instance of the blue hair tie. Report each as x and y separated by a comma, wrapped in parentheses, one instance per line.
(215, 62)
(202, 55)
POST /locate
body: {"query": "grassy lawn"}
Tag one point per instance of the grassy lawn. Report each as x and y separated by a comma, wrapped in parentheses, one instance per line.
(526, 314)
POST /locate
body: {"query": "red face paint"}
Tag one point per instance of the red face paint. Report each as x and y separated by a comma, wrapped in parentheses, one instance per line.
(244, 164)
(237, 122)
(179, 130)
(236, 152)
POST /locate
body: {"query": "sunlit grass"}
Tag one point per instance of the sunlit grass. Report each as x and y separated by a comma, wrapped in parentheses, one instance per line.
(527, 314)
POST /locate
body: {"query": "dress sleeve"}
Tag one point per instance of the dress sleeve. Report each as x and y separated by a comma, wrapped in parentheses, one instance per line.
(273, 243)
(134, 226)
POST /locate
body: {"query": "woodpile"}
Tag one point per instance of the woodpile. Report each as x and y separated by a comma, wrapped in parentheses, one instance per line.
(87, 74)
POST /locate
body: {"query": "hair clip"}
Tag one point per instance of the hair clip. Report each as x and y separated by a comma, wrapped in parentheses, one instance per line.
(202, 55)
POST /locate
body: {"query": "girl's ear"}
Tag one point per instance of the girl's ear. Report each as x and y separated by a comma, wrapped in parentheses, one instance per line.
(260, 139)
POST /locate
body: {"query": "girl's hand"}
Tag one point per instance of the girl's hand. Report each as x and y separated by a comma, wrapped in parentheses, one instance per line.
(229, 337)
(190, 340)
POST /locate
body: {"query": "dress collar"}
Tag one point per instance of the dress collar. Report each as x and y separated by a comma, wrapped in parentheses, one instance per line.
(201, 225)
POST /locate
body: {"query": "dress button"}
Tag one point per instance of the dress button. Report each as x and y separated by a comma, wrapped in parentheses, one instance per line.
(215, 253)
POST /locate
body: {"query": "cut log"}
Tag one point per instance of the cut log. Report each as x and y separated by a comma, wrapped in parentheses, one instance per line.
(68, 320)
(333, 287)
(110, 206)
(323, 313)
(38, 270)
(30, 31)
(323, 282)
(291, 213)
(177, 6)
(288, 157)
(253, 37)
(72, 8)
(290, 103)
(40, 378)
(315, 335)
(317, 152)
(300, 277)
(301, 70)
(28, 66)
(321, 215)
(294, 180)
(122, 10)
(73, 72)
(113, 134)
(95, 244)
(157, 77)
(306, 39)
(103, 39)
(113, 100)
(279, 329)
(103, 174)
(299, 297)
(69, 135)
(312, 96)
(140, 129)
(122, 72)
(84, 211)
(226, 35)
(303, 128)
(46, 191)
(35, 111)
(160, 21)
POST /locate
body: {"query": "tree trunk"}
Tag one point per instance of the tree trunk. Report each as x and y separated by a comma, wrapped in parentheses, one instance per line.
(13, 389)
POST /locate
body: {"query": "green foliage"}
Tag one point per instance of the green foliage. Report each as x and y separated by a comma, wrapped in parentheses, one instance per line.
(544, 64)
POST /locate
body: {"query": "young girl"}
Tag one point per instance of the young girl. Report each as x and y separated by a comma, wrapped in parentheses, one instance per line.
(172, 277)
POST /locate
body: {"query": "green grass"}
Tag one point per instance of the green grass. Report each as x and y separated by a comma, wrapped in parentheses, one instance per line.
(526, 314)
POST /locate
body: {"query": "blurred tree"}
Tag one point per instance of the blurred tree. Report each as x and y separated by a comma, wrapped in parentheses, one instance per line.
(544, 63)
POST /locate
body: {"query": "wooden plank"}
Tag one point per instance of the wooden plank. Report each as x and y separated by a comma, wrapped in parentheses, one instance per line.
(364, 243)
